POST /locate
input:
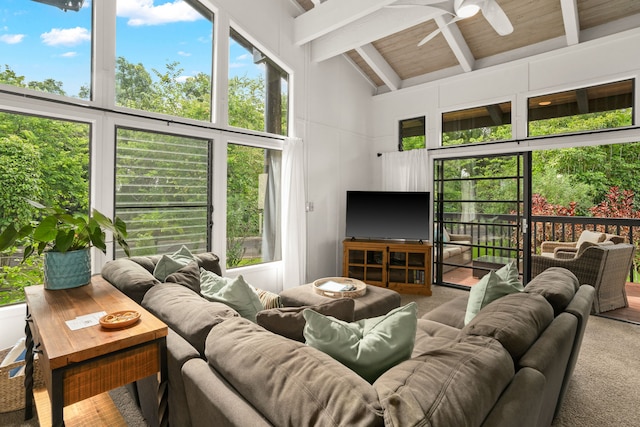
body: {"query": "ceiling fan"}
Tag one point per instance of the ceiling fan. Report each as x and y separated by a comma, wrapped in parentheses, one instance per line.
(462, 9)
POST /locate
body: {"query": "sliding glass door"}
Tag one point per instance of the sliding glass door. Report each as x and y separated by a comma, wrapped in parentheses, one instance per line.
(481, 212)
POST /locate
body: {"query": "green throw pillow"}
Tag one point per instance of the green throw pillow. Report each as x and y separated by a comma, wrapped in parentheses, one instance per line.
(236, 293)
(492, 286)
(369, 347)
(169, 264)
(510, 274)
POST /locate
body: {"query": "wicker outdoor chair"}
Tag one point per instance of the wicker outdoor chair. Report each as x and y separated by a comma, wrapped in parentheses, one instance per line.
(604, 267)
(551, 248)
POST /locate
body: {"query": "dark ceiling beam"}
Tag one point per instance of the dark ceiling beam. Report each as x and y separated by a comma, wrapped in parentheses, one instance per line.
(495, 113)
(582, 98)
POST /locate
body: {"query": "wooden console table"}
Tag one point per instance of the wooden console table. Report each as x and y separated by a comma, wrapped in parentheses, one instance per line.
(86, 362)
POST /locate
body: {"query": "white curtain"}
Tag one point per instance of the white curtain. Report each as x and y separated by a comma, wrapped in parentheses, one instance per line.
(294, 216)
(405, 170)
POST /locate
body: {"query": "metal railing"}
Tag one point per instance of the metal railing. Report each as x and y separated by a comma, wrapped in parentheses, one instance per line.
(498, 234)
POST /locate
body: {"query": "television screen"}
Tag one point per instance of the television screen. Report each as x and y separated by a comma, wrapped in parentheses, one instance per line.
(388, 215)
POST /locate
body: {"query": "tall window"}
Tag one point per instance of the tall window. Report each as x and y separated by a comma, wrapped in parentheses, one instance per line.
(604, 106)
(162, 191)
(44, 160)
(253, 205)
(163, 57)
(474, 125)
(258, 89)
(412, 134)
(58, 43)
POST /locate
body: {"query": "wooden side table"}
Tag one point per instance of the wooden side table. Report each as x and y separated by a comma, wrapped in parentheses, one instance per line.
(86, 362)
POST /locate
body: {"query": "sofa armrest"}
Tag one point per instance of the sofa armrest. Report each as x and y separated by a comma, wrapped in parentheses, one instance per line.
(551, 246)
(213, 402)
(458, 237)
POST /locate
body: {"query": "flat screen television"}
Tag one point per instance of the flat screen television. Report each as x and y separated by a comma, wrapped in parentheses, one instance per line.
(397, 215)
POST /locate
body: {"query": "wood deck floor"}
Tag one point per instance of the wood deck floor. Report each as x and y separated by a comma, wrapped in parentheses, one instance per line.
(463, 276)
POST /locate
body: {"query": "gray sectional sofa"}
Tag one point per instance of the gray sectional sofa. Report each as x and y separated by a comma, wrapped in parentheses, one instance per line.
(509, 366)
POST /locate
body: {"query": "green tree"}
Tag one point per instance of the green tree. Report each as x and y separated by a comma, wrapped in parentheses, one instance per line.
(20, 179)
(246, 102)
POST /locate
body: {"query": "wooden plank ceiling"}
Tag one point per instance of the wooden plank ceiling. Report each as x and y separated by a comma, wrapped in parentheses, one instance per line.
(382, 39)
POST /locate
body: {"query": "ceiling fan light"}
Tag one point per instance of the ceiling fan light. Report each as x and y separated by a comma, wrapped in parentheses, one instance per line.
(467, 10)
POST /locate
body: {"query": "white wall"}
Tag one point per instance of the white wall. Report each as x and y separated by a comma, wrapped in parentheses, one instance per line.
(336, 130)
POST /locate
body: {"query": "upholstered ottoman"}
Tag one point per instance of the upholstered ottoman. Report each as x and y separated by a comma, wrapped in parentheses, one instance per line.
(375, 302)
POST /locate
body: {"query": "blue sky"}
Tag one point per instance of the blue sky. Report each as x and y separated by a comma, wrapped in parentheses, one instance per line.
(39, 41)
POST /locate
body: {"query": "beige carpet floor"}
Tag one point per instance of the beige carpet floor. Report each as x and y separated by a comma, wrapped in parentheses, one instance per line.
(604, 390)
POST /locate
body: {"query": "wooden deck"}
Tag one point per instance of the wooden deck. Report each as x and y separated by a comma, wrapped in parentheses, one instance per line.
(463, 276)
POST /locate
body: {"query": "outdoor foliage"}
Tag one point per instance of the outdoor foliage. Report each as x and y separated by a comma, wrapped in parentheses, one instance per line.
(48, 160)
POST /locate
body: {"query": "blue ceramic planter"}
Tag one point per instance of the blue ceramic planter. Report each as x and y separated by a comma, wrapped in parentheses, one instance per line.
(64, 270)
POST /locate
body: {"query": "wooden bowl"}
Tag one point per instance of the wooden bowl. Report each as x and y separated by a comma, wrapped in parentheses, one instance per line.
(339, 287)
(119, 319)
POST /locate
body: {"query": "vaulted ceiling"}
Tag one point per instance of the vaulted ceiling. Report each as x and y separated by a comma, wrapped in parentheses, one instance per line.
(381, 37)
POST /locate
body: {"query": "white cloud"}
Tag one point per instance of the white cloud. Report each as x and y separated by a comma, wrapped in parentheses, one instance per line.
(11, 38)
(243, 57)
(69, 54)
(182, 79)
(66, 37)
(236, 65)
(143, 12)
(181, 53)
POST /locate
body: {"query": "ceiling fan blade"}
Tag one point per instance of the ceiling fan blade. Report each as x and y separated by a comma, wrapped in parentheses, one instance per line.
(496, 17)
(429, 37)
(442, 5)
(415, 3)
(436, 32)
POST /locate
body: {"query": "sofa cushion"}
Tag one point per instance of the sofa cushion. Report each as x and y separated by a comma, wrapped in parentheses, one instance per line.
(131, 278)
(210, 262)
(590, 236)
(450, 313)
(430, 334)
(234, 292)
(558, 285)
(187, 313)
(368, 346)
(188, 276)
(289, 382)
(452, 250)
(148, 262)
(289, 321)
(492, 286)
(171, 263)
(448, 386)
(515, 320)
(207, 260)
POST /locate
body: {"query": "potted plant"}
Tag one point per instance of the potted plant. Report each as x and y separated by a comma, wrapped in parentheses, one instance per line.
(65, 240)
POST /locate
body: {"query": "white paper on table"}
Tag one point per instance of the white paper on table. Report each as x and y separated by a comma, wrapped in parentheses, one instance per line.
(85, 321)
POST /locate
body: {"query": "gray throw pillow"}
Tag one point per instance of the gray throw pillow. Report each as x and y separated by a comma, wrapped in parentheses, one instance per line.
(289, 321)
(188, 276)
